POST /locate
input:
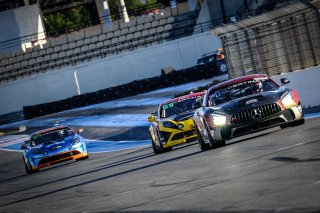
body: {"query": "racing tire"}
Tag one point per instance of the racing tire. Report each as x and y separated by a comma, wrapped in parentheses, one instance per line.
(167, 149)
(157, 150)
(213, 144)
(203, 146)
(28, 168)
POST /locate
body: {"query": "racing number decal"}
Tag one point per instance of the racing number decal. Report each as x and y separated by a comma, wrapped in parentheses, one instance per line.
(36, 136)
(167, 106)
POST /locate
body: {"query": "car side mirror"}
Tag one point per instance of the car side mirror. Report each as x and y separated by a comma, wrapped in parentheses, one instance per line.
(79, 131)
(152, 118)
(24, 146)
(284, 81)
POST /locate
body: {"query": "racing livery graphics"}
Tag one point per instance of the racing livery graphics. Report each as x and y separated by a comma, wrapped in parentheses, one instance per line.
(51, 146)
(172, 124)
(245, 105)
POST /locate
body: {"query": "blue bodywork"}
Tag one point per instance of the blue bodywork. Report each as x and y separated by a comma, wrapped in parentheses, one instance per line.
(48, 152)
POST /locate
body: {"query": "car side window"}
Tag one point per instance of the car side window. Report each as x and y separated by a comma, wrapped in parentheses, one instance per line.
(269, 86)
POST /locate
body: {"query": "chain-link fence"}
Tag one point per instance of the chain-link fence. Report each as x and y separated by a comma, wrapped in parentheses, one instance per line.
(280, 41)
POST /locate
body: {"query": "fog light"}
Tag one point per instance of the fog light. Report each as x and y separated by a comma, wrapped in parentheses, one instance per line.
(180, 126)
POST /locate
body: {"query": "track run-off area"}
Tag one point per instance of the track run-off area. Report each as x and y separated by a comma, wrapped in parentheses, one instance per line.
(276, 170)
(109, 126)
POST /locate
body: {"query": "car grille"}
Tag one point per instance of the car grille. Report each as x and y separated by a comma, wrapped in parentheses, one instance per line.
(166, 135)
(185, 134)
(257, 126)
(256, 113)
(59, 157)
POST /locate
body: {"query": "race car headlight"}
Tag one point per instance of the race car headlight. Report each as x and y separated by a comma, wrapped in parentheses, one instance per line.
(291, 99)
(219, 120)
(35, 151)
(180, 126)
(168, 124)
(76, 140)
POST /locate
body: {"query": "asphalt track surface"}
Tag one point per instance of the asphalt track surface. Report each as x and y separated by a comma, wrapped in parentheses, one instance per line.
(272, 171)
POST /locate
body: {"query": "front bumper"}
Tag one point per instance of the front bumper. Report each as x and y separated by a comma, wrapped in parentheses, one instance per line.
(41, 161)
(233, 130)
(175, 138)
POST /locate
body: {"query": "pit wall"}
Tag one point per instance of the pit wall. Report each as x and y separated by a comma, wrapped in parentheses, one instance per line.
(105, 73)
(171, 79)
(306, 82)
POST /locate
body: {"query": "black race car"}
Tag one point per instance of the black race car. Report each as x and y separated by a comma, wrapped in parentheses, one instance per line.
(245, 105)
(213, 62)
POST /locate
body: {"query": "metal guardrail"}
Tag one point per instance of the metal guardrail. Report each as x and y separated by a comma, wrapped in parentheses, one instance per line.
(280, 41)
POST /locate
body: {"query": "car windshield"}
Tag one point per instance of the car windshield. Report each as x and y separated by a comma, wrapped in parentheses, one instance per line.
(240, 89)
(177, 107)
(206, 59)
(49, 136)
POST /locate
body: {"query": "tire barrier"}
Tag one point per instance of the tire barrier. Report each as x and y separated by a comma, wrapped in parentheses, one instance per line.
(173, 78)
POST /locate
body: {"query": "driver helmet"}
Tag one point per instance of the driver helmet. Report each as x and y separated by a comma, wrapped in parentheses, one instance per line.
(258, 87)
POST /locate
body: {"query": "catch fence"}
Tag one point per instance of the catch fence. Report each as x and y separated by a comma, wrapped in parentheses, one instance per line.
(280, 41)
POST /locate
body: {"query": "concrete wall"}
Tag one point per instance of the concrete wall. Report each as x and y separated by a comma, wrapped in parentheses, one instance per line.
(232, 7)
(306, 82)
(22, 24)
(106, 72)
(204, 15)
(9, 30)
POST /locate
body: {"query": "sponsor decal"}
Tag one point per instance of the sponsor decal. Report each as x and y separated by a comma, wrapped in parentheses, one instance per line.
(57, 147)
(251, 101)
(223, 67)
(56, 143)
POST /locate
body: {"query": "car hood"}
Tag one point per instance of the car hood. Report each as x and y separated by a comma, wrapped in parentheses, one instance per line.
(55, 145)
(180, 117)
(250, 101)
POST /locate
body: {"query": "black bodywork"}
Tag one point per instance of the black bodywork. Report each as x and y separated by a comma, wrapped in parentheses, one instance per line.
(243, 115)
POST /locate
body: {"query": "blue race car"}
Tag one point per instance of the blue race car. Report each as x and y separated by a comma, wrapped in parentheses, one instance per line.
(51, 146)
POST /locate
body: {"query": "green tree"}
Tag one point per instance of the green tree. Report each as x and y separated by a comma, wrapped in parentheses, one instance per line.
(68, 20)
(82, 16)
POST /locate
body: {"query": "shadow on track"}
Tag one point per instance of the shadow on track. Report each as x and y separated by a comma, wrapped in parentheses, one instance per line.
(295, 160)
(110, 165)
(253, 137)
(11, 179)
(101, 178)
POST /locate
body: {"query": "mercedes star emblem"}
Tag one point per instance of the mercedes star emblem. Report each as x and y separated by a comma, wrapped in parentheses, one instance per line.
(256, 114)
